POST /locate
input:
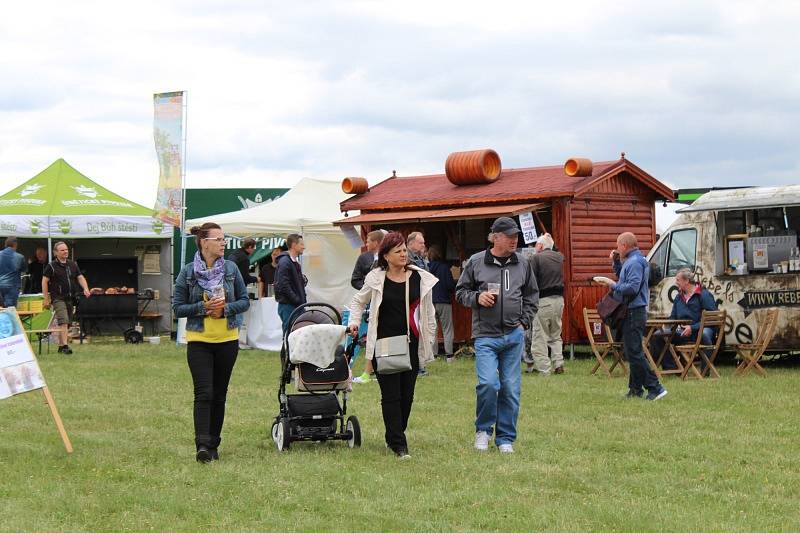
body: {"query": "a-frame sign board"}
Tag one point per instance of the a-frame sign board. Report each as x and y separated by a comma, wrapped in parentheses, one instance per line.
(19, 370)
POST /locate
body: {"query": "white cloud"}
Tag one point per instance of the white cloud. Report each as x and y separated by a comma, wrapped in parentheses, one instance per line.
(690, 90)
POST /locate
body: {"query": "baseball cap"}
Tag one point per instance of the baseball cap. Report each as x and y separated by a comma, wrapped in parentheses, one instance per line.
(505, 225)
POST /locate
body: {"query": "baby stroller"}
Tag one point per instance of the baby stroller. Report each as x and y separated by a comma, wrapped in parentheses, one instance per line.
(314, 414)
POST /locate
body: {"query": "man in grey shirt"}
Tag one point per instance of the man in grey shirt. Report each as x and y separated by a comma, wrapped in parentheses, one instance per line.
(500, 288)
(548, 267)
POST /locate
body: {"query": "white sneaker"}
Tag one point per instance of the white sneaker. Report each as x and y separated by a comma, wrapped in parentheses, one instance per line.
(506, 448)
(244, 347)
(481, 441)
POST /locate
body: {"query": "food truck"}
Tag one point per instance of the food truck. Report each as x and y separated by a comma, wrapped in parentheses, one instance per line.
(743, 247)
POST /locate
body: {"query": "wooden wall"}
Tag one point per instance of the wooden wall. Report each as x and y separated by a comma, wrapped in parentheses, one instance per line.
(595, 219)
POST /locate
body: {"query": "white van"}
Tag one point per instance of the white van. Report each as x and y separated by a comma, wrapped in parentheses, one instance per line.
(743, 245)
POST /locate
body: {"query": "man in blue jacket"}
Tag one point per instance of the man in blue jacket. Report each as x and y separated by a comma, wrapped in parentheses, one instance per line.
(290, 283)
(12, 266)
(690, 302)
(632, 272)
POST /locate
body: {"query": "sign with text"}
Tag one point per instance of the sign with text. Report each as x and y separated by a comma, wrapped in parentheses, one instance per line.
(19, 371)
(528, 227)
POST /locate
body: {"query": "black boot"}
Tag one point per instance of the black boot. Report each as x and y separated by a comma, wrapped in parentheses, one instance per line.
(203, 455)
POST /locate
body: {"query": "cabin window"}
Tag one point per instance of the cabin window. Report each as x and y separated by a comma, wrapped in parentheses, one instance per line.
(659, 257)
(682, 250)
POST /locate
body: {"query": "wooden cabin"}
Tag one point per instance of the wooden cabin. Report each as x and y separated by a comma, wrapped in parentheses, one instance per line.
(584, 214)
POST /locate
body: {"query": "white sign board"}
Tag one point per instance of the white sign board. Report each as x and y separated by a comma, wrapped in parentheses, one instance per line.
(528, 227)
(19, 371)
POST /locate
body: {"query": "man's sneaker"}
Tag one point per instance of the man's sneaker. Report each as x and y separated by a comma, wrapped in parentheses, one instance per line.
(632, 394)
(66, 350)
(481, 441)
(422, 373)
(402, 454)
(244, 347)
(450, 358)
(653, 396)
(506, 448)
(559, 370)
(363, 378)
(530, 369)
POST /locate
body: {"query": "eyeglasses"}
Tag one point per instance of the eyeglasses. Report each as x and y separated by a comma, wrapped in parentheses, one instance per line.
(215, 239)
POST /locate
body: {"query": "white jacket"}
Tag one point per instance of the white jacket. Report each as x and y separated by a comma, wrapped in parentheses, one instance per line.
(372, 291)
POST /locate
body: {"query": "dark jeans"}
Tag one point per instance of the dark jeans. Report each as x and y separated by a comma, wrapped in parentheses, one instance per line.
(657, 344)
(285, 311)
(211, 365)
(397, 395)
(9, 296)
(641, 375)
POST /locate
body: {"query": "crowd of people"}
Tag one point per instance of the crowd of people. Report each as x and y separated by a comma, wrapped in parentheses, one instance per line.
(59, 281)
(403, 288)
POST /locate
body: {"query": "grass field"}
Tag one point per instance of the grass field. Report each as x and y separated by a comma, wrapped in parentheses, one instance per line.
(712, 456)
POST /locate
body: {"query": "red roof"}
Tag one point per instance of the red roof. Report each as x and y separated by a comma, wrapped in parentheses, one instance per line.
(513, 185)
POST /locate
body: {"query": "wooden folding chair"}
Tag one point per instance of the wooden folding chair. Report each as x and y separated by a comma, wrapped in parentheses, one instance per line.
(602, 342)
(690, 352)
(751, 353)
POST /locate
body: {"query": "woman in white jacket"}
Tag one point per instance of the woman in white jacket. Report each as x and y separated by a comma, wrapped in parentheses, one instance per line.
(385, 288)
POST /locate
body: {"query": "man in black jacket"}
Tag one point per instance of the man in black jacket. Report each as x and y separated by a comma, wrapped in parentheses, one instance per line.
(367, 260)
(290, 283)
(241, 257)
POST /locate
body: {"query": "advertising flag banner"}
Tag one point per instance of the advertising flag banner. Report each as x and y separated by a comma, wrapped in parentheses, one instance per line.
(168, 136)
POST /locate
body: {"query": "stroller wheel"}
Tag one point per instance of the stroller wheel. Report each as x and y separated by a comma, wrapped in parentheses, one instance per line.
(354, 428)
(280, 434)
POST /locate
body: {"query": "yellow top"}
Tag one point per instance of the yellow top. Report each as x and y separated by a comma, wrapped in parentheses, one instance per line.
(214, 330)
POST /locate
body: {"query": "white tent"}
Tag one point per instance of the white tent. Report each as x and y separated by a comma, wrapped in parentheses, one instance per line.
(309, 209)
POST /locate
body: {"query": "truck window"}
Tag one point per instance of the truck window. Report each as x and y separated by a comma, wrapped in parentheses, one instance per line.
(682, 250)
(659, 257)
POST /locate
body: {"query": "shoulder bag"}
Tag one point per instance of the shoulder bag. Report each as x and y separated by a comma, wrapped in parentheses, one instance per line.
(392, 354)
(612, 311)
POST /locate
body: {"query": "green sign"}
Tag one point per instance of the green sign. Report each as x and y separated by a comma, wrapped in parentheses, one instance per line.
(207, 202)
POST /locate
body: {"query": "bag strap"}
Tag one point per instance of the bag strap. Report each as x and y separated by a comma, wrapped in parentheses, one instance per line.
(408, 308)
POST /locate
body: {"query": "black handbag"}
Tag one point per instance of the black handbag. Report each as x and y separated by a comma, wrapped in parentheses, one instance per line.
(612, 311)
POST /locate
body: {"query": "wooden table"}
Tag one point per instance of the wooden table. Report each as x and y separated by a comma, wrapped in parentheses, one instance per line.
(667, 329)
(26, 317)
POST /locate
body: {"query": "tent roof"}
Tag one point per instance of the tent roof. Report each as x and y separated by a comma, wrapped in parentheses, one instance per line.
(310, 206)
(61, 190)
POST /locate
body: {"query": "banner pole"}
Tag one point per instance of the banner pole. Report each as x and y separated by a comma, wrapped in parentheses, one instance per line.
(184, 124)
(59, 424)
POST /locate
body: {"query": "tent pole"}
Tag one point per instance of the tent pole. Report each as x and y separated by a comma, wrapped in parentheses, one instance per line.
(183, 177)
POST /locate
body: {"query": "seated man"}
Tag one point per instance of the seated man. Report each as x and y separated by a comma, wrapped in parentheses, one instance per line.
(689, 304)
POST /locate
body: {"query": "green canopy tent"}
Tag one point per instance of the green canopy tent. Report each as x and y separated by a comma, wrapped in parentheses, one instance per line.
(63, 203)
(60, 203)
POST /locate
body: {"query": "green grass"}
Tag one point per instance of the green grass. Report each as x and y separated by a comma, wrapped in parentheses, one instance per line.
(712, 456)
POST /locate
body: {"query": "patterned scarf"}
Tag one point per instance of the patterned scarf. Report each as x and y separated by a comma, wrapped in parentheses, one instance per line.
(208, 278)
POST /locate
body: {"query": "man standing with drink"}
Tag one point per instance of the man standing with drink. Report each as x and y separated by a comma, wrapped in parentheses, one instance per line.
(500, 288)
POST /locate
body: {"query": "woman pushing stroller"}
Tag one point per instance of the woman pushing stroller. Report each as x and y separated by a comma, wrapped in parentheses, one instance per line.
(401, 303)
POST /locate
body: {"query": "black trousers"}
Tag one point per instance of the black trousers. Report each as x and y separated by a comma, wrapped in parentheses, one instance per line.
(211, 365)
(397, 395)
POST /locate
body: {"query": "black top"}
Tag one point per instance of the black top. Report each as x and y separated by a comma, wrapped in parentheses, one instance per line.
(391, 314)
(35, 271)
(63, 278)
(242, 260)
(268, 273)
(501, 260)
(364, 264)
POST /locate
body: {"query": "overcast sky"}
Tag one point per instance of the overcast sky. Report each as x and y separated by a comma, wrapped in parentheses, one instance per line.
(696, 93)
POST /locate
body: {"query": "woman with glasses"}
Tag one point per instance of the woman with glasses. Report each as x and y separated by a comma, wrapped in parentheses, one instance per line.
(211, 294)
